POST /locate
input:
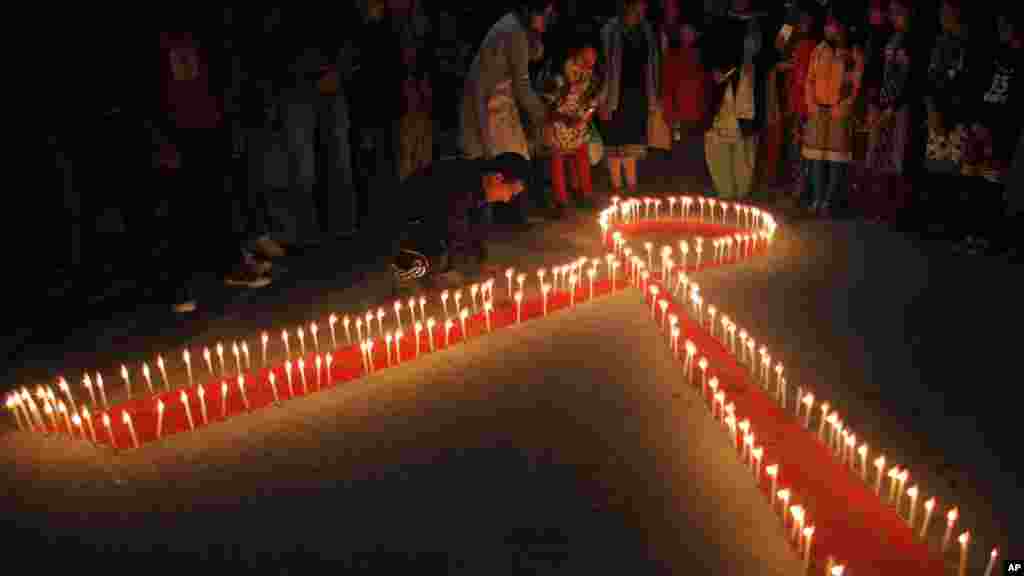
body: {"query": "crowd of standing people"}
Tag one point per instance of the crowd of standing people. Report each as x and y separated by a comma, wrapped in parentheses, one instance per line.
(266, 130)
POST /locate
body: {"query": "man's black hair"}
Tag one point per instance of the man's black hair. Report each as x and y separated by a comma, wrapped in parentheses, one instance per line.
(535, 6)
(511, 166)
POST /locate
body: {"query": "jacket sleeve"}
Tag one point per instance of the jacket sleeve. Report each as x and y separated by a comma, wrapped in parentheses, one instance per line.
(846, 104)
(809, 98)
(518, 58)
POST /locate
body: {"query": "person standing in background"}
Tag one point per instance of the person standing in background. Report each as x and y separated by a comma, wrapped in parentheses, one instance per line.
(416, 123)
(805, 21)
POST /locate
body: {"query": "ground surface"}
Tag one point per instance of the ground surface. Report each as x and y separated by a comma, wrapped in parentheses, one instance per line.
(916, 346)
(547, 446)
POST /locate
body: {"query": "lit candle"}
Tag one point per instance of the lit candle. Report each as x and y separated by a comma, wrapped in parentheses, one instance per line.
(381, 315)
(398, 346)
(369, 327)
(783, 496)
(412, 310)
(183, 398)
(929, 505)
(703, 365)
(330, 363)
(894, 478)
(473, 291)
(110, 429)
(449, 324)
(127, 419)
(163, 371)
(663, 304)
(238, 357)
(719, 397)
(348, 333)
(369, 354)
(851, 442)
(423, 308)
(302, 376)
(159, 419)
(63, 385)
(288, 374)
(772, 471)
(359, 328)
(863, 453)
(463, 314)
(147, 377)
(223, 400)
(12, 406)
(808, 537)
(964, 539)
(331, 321)
(904, 475)
(77, 421)
(991, 562)
(951, 518)
(88, 424)
(418, 329)
(838, 570)
(127, 379)
(572, 290)
(430, 332)
(245, 398)
(220, 356)
(398, 310)
(387, 347)
(650, 258)
(444, 302)
(519, 310)
(544, 289)
(287, 346)
(675, 341)
(797, 512)
(508, 277)
(691, 350)
(821, 424)
(808, 401)
(201, 392)
(313, 331)
(273, 386)
(654, 297)
(521, 280)
(245, 352)
(748, 445)
(615, 268)
(458, 300)
(879, 467)
(319, 366)
(756, 455)
(487, 313)
(912, 493)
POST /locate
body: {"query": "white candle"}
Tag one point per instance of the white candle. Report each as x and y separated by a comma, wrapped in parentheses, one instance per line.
(487, 314)
(245, 352)
(223, 400)
(381, 315)
(519, 310)
(650, 258)
(879, 467)
(590, 274)
(302, 376)
(458, 300)
(398, 310)
(783, 496)
(369, 354)
(418, 329)
(331, 321)
(929, 505)
(572, 290)
(991, 562)
(147, 376)
(398, 346)
(423, 309)
(163, 371)
(449, 324)
(863, 453)
(201, 392)
(521, 280)
(703, 365)
(359, 329)
(287, 346)
(412, 310)
(88, 424)
(12, 406)
(110, 430)
(675, 341)
(808, 401)
(238, 357)
(663, 304)
(159, 419)
(273, 386)
(183, 398)
(444, 302)
(387, 347)
(808, 537)
(473, 291)
(463, 314)
(330, 363)
(544, 289)
(772, 471)
(508, 277)
(430, 332)
(912, 493)
(756, 455)
(288, 374)
(319, 365)
(821, 424)
(797, 512)
(348, 333)
(127, 380)
(63, 385)
(77, 421)
(127, 419)
(313, 331)
(951, 518)
(220, 357)
(964, 539)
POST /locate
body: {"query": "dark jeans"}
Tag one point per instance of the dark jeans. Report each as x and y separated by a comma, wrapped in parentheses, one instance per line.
(200, 209)
(828, 182)
(431, 237)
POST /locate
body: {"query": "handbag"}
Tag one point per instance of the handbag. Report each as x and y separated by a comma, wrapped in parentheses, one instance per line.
(659, 135)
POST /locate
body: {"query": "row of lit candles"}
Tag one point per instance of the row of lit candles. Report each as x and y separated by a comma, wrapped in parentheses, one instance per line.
(634, 210)
(841, 440)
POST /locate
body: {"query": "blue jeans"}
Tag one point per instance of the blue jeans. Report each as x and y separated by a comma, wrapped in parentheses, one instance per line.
(827, 182)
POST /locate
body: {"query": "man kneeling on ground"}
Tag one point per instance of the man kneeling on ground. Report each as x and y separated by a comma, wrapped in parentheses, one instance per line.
(445, 211)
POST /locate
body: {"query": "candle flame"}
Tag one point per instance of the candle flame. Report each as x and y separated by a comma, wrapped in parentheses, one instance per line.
(912, 491)
(783, 494)
(880, 462)
(126, 418)
(838, 570)
(964, 538)
(952, 515)
(772, 470)
(863, 450)
(929, 504)
(809, 531)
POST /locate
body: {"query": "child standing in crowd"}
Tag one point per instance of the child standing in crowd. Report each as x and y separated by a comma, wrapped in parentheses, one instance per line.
(572, 96)
(796, 42)
(685, 83)
(833, 83)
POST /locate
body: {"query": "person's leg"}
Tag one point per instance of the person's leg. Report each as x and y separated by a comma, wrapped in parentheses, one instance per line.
(745, 166)
(558, 178)
(615, 171)
(629, 167)
(815, 182)
(716, 156)
(586, 186)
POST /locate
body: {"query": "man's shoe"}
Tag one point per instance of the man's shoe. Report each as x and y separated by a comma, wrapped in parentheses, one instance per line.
(246, 275)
